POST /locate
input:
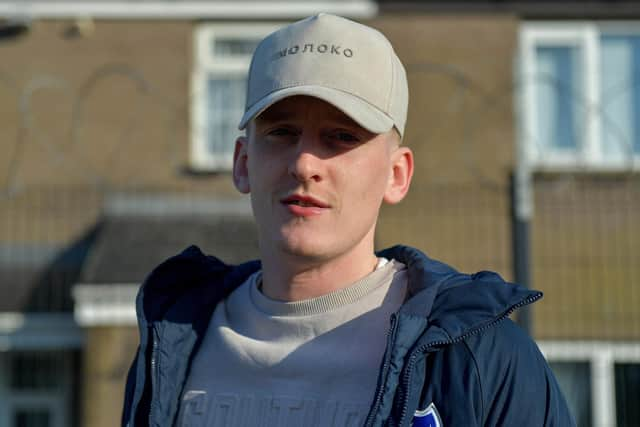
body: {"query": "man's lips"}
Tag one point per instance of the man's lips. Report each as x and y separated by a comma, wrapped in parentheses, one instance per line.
(302, 200)
(303, 205)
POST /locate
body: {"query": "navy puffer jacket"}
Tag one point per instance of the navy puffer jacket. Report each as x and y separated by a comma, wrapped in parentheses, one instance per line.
(453, 357)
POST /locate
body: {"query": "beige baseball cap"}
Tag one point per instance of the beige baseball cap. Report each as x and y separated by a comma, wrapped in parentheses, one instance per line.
(347, 64)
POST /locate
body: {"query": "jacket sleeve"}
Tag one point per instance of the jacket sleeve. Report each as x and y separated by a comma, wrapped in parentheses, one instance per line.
(518, 387)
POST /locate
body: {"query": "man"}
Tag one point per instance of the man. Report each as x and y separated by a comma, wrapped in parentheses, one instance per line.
(323, 331)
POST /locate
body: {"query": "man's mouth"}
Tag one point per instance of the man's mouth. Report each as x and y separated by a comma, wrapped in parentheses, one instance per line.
(305, 201)
(300, 203)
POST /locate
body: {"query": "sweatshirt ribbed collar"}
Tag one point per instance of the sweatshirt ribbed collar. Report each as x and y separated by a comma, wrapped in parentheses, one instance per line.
(383, 274)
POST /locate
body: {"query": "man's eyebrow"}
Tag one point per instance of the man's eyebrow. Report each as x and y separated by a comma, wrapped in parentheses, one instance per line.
(277, 115)
(272, 115)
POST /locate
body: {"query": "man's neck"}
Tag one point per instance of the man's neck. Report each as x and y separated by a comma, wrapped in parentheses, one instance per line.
(289, 278)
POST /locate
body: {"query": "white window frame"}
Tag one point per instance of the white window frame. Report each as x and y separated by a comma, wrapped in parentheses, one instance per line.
(205, 63)
(602, 357)
(586, 35)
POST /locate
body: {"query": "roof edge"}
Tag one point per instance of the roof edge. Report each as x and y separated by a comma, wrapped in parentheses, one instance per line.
(189, 10)
(524, 9)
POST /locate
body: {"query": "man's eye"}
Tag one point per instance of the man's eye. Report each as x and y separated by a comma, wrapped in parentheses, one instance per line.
(282, 131)
(344, 137)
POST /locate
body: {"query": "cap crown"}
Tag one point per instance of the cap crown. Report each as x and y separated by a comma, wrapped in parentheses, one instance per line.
(330, 54)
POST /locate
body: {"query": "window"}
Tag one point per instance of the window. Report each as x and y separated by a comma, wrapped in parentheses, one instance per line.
(222, 57)
(600, 380)
(580, 95)
(35, 389)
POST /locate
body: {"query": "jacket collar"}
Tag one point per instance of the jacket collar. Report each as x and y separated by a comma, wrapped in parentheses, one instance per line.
(192, 278)
(436, 290)
(456, 302)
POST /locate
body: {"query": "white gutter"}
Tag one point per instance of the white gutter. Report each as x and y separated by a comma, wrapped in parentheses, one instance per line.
(105, 305)
(185, 9)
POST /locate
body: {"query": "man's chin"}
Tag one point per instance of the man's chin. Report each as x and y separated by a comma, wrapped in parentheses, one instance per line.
(304, 249)
(310, 252)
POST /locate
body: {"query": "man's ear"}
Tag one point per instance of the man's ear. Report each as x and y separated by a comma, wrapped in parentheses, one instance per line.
(400, 176)
(240, 166)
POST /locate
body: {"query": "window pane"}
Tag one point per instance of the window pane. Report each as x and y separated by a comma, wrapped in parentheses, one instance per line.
(226, 98)
(32, 418)
(229, 47)
(627, 394)
(558, 98)
(35, 370)
(620, 96)
(575, 382)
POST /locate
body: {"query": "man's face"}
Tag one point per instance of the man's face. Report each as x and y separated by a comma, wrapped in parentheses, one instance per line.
(316, 178)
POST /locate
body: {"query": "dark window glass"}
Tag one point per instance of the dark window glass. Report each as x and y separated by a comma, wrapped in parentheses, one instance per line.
(627, 394)
(32, 418)
(575, 382)
(35, 370)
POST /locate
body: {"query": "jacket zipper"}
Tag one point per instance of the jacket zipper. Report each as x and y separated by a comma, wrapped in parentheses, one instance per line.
(391, 333)
(154, 370)
(406, 378)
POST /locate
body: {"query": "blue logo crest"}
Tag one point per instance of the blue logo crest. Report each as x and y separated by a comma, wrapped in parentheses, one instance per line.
(427, 417)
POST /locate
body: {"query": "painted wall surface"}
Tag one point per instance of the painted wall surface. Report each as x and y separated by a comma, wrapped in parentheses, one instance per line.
(461, 129)
(110, 108)
(106, 360)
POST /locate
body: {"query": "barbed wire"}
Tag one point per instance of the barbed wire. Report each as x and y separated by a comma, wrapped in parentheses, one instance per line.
(464, 85)
(8, 82)
(502, 98)
(589, 109)
(63, 154)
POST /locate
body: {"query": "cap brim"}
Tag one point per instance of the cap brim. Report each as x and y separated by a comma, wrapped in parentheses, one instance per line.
(362, 112)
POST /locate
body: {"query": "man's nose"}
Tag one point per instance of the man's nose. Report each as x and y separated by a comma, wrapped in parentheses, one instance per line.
(306, 162)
